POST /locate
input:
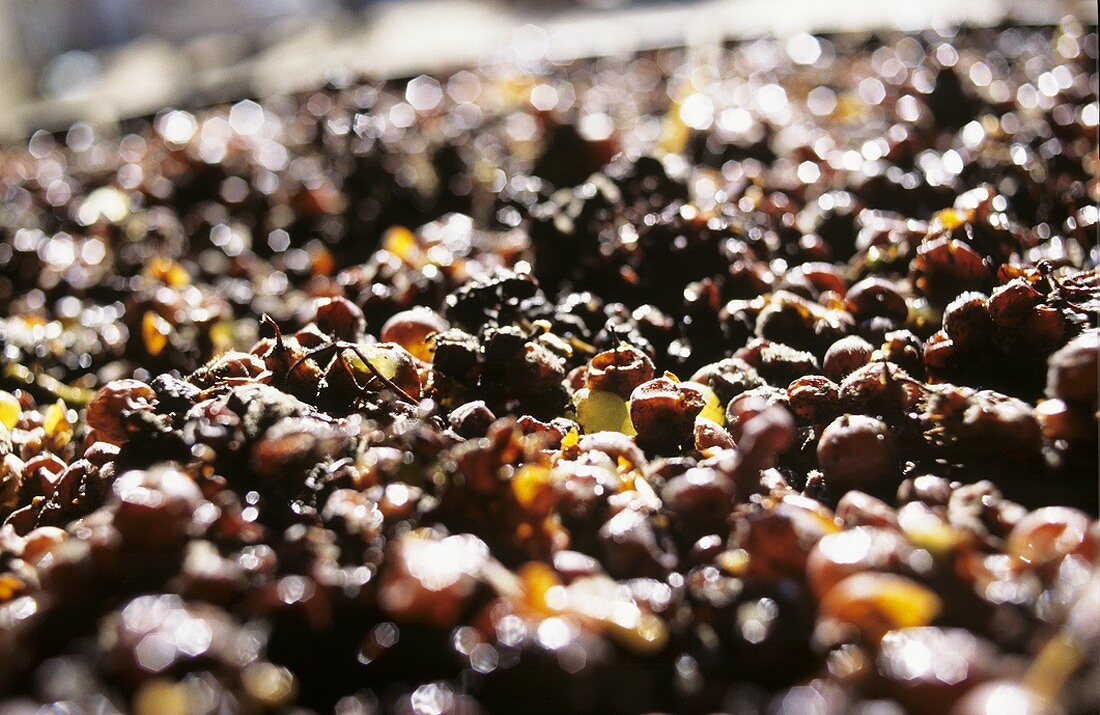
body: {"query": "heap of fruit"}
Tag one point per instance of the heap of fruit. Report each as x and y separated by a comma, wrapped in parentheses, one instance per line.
(758, 382)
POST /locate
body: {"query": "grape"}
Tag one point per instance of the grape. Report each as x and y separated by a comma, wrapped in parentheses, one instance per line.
(599, 411)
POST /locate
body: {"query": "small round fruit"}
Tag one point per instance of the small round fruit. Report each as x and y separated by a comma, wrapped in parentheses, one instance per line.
(1073, 371)
(599, 411)
(664, 411)
(874, 297)
(413, 330)
(966, 320)
(108, 408)
(877, 603)
(338, 317)
(858, 452)
(1047, 535)
(619, 370)
(845, 356)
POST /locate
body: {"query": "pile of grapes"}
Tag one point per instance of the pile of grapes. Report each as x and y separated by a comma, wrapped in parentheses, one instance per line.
(757, 378)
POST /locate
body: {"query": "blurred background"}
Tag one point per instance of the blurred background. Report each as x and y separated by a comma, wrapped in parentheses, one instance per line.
(103, 60)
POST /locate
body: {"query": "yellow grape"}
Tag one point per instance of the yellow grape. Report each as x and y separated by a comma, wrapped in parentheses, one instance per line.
(599, 411)
(713, 409)
(9, 410)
